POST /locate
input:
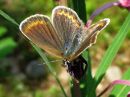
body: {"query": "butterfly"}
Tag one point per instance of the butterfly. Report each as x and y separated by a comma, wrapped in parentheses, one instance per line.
(63, 36)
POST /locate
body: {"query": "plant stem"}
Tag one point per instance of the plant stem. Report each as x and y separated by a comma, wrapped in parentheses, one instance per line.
(7, 17)
(100, 10)
(80, 7)
(122, 82)
(43, 56)
(76, 89)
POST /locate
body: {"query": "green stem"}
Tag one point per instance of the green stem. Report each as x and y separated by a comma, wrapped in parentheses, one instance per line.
(80, 7)
(43, 56)
(7, 17)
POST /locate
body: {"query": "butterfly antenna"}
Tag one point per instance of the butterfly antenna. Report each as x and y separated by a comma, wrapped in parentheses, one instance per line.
(53, 61)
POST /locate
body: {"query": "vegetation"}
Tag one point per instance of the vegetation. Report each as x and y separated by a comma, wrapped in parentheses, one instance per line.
(21, 72)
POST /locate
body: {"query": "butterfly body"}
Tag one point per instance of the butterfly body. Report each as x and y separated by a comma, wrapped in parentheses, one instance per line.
(63, 36)
(76, 68)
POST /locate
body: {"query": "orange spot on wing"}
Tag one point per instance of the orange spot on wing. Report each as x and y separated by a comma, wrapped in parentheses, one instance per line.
(70, 16)
(102, 24)
(33, 24)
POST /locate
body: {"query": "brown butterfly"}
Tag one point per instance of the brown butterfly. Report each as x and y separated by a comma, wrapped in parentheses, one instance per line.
(64, 36)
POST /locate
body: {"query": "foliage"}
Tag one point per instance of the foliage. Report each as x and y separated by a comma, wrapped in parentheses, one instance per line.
(7, 45)
(88, 84)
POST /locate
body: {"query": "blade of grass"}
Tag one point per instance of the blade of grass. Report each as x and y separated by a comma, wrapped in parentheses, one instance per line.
(7, 17)
(121, 90)
(43, 56)
(113, 49)
(38, 50)
(80, 7)
(110, 54)
(87, 82)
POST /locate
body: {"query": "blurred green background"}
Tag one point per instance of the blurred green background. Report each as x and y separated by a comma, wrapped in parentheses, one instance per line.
(22, 73)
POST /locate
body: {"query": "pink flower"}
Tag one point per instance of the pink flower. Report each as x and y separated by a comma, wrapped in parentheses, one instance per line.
(124, 3)
(128, 95)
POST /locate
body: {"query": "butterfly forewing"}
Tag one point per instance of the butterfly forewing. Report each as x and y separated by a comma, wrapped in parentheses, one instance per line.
(89, 36)
(40, 31)
(67, 24)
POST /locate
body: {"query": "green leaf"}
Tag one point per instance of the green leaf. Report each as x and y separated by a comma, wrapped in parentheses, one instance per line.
(4, 73)
(80, 7)
(111, 53)
(87, 80)
(121, 90)
(8, 18)
(113, 49)
(3, 30)
(7, 45)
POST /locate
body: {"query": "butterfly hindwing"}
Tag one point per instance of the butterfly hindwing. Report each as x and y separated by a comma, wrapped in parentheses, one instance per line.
(89, 36)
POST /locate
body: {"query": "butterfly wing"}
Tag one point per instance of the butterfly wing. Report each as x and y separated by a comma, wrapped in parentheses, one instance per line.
(67, 24)
(38, 29)
(89, 36)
